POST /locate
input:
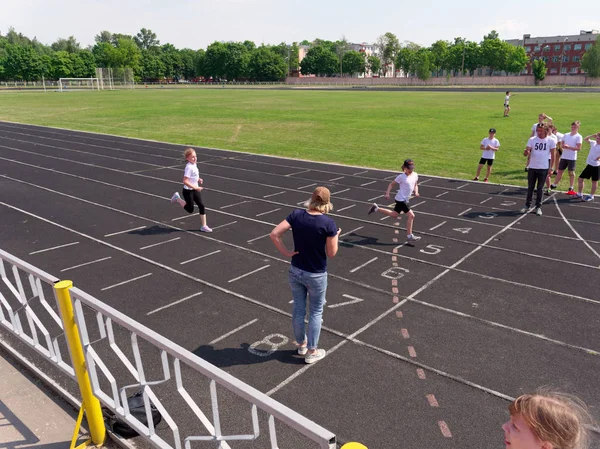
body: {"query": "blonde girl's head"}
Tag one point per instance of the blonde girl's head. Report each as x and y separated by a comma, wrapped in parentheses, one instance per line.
(320, 201)
(557, 420)
(189, 154)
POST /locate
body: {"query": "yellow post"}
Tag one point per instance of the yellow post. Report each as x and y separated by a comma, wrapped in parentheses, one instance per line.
(93, 410)
(354, 446)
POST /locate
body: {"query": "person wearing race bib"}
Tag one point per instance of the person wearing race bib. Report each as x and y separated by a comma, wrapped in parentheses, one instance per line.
(191, 189)
(540, 157)
(407, 183)
(592, 170)
(541, 119)
(571, 144)
(507, 103)
(489, 145)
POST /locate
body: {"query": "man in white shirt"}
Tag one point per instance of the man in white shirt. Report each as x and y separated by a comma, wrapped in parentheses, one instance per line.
(489, 145)
(592, 170)
(407, 183)
(541, 119)
(540, 157)
(571, 144)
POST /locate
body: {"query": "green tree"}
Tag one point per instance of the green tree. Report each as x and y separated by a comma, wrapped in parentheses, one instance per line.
(188, 63)
(374, 64)
(406, 58)
(266, 64)
(152, 67)
(473, 57)
(171, 59)
(423, 63)
(70, 45)
(146, 39)
(388, 46)
(199, 60)
(251, 45)
(539, 70)
(590, 62)
(494, 53)
(61, 65)
(294, 59)
(516, 60)
(236, 60)
(214, 61)
(83, 64)
(22, 62)
(440, 55)
(103, 37)
(129, 53)
(320, 61)
(353, 62)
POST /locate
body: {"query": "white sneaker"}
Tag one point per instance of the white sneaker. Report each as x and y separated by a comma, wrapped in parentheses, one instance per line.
(302, 350)
(524, 210)
(205, 229)
(175, 197)
(412, 238)
(538, 211)
(315, 356)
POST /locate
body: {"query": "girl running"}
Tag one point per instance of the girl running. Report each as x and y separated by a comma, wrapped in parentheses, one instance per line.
(191, 189)
(547, 420)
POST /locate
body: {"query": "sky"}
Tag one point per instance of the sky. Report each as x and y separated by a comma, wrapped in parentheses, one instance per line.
(196, 24)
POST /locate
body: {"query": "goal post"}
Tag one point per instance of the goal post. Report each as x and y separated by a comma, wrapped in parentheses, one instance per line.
(78, 84)
(115, 78)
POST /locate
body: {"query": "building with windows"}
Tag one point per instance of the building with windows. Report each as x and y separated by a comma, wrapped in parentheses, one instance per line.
(562, 54)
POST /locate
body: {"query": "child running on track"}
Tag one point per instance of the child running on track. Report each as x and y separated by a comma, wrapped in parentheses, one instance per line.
(592, 169)
(191, 189)
(489, 145)
(407, 183)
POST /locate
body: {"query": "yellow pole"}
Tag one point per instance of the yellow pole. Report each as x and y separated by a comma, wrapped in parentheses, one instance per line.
(93, 410)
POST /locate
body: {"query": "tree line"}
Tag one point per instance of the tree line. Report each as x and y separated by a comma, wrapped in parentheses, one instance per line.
(22, 58)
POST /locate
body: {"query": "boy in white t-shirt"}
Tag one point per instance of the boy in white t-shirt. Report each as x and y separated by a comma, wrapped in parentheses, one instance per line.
(540, 157)
(407, 183)
(489, 145)
(507, 103)
(592, 169)
(571, 144)
(542, 118)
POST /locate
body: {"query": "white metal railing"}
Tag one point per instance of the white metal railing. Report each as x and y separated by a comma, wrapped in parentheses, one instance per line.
(123, 355)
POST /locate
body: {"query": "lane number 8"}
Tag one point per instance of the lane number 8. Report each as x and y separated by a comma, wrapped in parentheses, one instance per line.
(271, 345)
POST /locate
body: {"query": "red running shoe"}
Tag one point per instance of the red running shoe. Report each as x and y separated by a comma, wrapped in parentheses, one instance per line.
(571, 192)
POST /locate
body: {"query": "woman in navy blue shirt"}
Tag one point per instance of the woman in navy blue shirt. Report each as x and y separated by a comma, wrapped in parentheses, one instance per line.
(315, 239)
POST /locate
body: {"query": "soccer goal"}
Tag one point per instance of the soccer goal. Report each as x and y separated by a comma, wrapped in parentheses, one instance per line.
(78, 84)
(115, 78)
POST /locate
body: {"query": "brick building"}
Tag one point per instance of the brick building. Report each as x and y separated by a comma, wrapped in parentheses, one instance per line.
(562, 54)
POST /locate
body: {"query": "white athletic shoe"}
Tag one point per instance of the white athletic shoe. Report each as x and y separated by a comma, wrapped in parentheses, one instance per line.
(175, 197)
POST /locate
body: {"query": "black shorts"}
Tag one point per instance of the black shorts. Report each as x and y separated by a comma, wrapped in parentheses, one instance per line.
(590, 172)
(506, 105)
(484, 160)
(565, 163)
(401, 206)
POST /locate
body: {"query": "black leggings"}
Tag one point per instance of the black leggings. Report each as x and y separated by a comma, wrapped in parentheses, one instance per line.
(191, 197)
(535, 175)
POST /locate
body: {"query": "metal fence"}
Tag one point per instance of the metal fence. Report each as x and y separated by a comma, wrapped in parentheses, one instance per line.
(201, 405)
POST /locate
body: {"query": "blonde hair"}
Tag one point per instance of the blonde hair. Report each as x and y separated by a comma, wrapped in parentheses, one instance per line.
(556, 418)
(324, 208)
(187, 152)
(576, 123)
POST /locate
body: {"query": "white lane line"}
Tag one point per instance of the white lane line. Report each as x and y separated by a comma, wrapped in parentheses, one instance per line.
(341, 191)
(465, 211)
(573, 229)
(391, 177)
(309, 185)
(298, 172)
(223, 225)
(174, 303)
(359, 172)
(257, 238)
(418, 204)
(126, 282)
(199, 257)
(375, 197)
(222, 337)
(486, 200)
(353, 270)
(345, 208)
(248, 274)
(54, 247)
(337, 179)
(268, 212)
(424, 181)
(460, 187)
(437, 226)
(181, 218)
(273, 194)
(441, 194)
(368, 183)
(234, 204)
(125, 231)
(350, 232)
(384, 218)
(353, 300)
(503, 191)
(159, 243)
(84, 264)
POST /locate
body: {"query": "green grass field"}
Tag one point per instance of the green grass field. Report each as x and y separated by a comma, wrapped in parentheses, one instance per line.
(441, 130)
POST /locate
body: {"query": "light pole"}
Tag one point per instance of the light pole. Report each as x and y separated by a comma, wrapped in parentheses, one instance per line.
(562, 55)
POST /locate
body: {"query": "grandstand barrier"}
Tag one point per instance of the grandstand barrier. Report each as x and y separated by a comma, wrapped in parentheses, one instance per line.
(112, 355)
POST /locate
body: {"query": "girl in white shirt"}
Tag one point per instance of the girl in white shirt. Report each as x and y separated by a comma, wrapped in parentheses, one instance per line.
(191, 189)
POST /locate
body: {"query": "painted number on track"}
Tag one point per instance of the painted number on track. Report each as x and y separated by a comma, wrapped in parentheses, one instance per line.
(395, 273)
(462, 230)
(432, 249)
(269, 345)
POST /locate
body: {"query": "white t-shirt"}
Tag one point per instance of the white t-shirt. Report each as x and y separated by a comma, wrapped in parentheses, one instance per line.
(489, 154)
(572, 141)
(534, 127)
(407, 185)
(192, 173)
(594, 154)
(559, 136)
(554, 138)
(540, 152)
(506, 99)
